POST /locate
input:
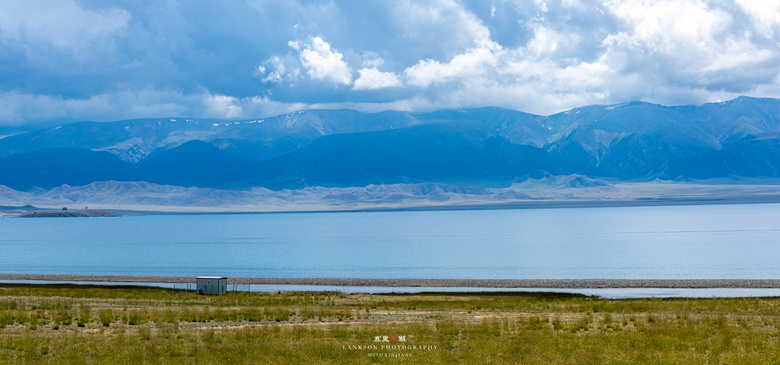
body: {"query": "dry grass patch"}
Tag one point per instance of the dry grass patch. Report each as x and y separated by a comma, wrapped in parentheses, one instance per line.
(71, 324)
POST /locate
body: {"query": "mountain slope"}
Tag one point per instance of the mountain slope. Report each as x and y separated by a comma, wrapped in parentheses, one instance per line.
(485, 146)
(133, 140)
(52, 167)
(195, 163)
(736, 119)
(517, 127)
(433, 152)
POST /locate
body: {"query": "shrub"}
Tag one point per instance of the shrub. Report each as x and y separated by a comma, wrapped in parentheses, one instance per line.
(106, 317)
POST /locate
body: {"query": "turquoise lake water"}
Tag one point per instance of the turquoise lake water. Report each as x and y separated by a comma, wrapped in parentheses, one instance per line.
(672, 242)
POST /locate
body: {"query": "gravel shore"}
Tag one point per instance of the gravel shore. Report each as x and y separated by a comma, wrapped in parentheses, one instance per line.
(444, 283)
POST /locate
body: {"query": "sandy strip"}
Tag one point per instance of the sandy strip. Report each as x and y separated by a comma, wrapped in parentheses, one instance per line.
(470, 283)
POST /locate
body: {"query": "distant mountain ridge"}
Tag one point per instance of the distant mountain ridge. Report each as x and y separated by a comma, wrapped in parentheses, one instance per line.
(341, 148)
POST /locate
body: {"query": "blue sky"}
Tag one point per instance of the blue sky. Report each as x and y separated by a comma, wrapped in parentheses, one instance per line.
(71, 60)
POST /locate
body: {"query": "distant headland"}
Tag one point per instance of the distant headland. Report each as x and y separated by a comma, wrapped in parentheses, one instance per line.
(65, 213)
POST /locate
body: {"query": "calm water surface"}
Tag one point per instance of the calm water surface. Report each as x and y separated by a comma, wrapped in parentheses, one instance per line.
(676, 242)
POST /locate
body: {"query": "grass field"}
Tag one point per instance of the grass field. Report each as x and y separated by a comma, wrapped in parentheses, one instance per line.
(71, 324)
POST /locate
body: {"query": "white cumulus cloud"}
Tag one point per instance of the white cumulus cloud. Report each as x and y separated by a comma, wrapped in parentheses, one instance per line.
(474, 62)
(276, 70)
(372, 78)
(322, 62)
(674, 46)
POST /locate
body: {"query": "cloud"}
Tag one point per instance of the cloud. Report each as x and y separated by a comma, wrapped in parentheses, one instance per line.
(371, 78)
(372, 59)
(322, 62)
(275, 70)
(222, 106)
(24, 108)
(472, 63)
(315, 56)
(61, 23)
(445, 27)
(67, 60)
(688, 45)
(767, 14)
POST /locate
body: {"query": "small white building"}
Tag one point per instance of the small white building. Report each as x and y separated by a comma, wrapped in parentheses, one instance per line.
(211, 285)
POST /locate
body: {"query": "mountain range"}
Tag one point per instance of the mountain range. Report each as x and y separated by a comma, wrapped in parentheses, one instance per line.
(485, 147)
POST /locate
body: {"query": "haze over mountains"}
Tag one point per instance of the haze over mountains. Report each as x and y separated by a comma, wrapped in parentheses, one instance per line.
(343, 148)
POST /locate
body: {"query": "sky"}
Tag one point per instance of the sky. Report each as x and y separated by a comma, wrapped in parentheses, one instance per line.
(73, 60)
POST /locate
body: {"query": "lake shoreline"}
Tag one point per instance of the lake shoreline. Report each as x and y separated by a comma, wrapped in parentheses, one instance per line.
(514, 205)
(419, 282)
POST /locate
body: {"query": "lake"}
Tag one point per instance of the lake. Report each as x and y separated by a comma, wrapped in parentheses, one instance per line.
(669, 242)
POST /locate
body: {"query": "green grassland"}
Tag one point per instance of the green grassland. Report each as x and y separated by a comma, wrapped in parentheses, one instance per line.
(73, 324)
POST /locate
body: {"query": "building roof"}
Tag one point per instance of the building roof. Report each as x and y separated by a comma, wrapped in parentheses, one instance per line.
(211, 277)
